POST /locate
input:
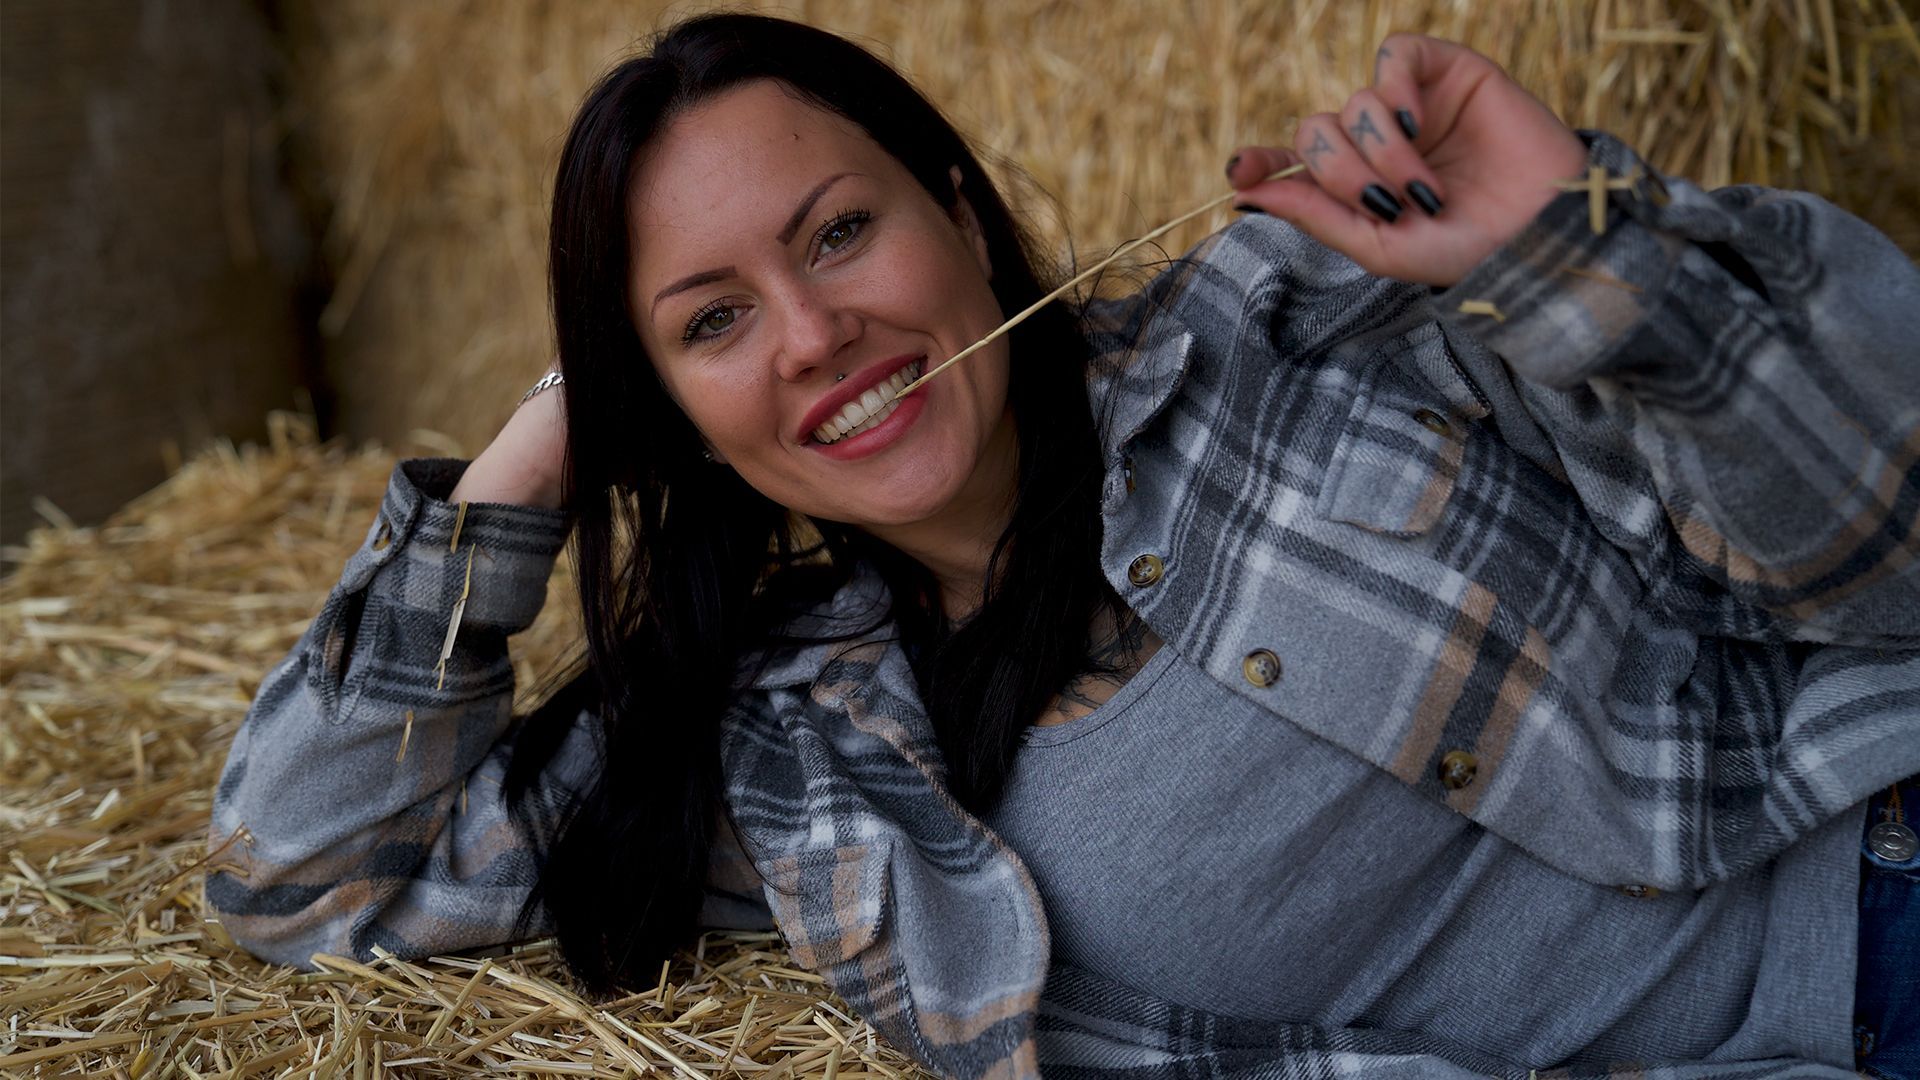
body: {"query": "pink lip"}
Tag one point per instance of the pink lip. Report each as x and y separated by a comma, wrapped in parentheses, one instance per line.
(878, 438)
(856, 384)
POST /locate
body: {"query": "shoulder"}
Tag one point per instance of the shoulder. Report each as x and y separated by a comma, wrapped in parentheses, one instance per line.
(1220, 275)
(1259, 274)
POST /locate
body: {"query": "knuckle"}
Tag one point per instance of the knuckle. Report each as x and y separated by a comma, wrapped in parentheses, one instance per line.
(1317, 140)
(1362, 98)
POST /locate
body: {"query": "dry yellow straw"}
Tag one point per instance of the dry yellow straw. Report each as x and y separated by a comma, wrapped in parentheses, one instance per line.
(1082, 276)
(453, 621)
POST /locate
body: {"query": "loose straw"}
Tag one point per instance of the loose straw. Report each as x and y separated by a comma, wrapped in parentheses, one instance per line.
(1130, 245)
(453, 621)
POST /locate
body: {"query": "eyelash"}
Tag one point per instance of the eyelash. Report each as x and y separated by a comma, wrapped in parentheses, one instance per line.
(844, 217)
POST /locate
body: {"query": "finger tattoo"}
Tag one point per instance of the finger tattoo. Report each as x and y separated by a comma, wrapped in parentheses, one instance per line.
(1319, 147)
(1364, 128)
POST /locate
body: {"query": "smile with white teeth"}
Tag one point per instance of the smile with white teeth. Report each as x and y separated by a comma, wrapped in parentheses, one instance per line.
(870, 409)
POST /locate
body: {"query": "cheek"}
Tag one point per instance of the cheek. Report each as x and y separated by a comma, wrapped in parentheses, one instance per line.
(722, 405)
(934, 284)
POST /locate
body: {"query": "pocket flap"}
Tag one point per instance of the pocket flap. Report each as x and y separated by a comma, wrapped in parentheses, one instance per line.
(1395, 463)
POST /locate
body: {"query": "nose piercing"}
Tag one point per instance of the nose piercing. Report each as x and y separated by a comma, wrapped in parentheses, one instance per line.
(840, 376)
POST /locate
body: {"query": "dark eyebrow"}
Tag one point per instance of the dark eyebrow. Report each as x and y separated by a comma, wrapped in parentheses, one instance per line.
(799, 216)
(806, 207)
(693, 281)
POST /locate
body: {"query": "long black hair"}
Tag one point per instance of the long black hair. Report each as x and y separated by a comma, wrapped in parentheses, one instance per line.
(683, 569)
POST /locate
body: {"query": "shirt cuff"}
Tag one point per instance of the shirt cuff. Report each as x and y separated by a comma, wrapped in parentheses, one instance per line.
(1559, 299)
(412, 557)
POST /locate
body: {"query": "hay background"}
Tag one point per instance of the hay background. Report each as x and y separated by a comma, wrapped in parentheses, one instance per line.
(128, 655)
(148, 247)
(433, 129)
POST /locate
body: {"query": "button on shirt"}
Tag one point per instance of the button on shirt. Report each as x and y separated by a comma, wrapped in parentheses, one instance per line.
(1679, 638)
(1187, 843)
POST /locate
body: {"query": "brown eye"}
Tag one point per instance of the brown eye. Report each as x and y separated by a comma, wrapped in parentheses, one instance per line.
(840, 232)
(836, 235)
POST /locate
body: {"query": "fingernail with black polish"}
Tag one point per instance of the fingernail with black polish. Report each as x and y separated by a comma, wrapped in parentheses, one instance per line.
(1423, 196)
(1381, 202)
(1248, 208)
(1407, 127)
(1231, 162)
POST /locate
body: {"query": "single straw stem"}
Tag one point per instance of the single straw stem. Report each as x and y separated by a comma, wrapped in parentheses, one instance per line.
(1130, 245)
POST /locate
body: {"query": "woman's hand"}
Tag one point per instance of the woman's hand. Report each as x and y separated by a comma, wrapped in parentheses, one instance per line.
(522, 465)
(1425, 173)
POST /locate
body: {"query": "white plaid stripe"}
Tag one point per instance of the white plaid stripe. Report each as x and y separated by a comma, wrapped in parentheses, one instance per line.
(1657, 573)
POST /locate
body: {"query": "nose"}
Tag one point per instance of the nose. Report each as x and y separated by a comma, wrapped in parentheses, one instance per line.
(818, 328)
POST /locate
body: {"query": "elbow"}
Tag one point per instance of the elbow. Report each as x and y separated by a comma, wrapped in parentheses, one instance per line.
(1854, 585)
(279, 923)
(267, 909)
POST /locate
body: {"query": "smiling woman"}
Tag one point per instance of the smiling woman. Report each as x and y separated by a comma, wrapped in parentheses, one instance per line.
(755, 226)
(1275, 668)
(839, 273)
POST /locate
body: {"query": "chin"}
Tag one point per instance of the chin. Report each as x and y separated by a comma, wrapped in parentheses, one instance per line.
(898, 500)
(913, 481)
(890, 513)
(924, 489)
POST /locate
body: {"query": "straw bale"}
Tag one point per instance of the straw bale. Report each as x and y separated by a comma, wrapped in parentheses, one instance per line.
(148, 246)
(128, 654)
(434, 129)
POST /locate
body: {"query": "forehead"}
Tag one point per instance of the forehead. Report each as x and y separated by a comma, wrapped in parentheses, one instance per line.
(729, 164)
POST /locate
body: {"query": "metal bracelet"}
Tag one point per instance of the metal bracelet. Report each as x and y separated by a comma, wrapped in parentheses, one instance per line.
(550, 379)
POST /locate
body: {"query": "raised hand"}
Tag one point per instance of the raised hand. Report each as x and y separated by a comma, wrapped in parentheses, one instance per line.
(1426, 172)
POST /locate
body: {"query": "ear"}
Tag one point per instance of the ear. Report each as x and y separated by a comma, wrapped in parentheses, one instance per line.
(969, 224)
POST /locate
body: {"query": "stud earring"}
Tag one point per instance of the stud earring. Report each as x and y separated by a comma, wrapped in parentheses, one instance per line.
(706, 455)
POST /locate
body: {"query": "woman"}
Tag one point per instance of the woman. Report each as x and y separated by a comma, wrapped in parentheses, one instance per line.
(1427, 635)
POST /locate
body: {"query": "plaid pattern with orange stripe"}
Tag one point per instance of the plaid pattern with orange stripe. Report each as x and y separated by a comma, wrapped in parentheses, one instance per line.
(1625, 574)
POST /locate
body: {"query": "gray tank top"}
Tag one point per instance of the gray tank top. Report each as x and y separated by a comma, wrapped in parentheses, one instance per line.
(1188, 843)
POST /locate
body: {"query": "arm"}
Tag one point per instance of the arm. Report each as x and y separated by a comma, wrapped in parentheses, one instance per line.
(348, 842)
(1730, 377)
(1685, 367)
(1733, 383)
(352, 842)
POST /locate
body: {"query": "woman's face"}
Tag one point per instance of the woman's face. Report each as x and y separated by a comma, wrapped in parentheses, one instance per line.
(778, 248)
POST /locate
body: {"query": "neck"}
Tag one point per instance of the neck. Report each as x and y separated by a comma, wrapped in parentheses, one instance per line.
(956, 544)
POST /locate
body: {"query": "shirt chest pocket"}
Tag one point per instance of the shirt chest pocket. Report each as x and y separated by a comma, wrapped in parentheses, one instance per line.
(1397, 458)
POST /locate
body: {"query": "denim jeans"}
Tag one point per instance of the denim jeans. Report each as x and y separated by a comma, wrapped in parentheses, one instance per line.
(1886, 1003)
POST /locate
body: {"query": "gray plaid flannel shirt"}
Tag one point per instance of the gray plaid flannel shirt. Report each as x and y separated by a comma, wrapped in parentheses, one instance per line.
(1642, 545)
